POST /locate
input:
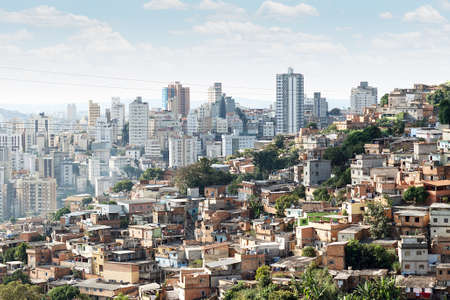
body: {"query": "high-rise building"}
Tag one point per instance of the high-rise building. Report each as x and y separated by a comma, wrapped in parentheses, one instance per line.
(36, 195)
(138, 122)
(289, 105)
(93, 114)
(320, 110)
(176, 98)
(118, 112)
(363, 96)
(215, 92)
(71, 112)
(183, 151)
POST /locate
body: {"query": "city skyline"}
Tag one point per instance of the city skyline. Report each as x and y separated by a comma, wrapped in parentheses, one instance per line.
(159, 42)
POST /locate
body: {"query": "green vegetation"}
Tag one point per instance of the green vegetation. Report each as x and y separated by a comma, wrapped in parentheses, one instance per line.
(284, 202)
(18, 276)
(123, 186)
(152, 174)
(121, 297)
(235, 184)
(16, 253)
(263, 276)
(335, 112)
(444, 110)
(368, 256)
(311, 125)
(132, 172)
(256, 207)
(65, 292)
(198, 263)
(309, 251)
(380, 289)
(15, 290)
(321, 194)
(379, 223)
(340, 179)
(59, 213)
(384, 100)
(86, 201)
(353, 144)
(200, 175)
(299, 191)
(415, 195)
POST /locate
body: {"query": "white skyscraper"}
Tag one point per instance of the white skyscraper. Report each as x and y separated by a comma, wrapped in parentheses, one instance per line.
(289, 105)
(118, 112)
(138, 122)
(215, 92)
(71, 112)
(363, 96)
(183, 151)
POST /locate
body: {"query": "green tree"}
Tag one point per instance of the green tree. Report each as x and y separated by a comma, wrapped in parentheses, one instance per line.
(152, 174)
(415, 195)
(263, 276)
(316, 284)
(86, 201)
(282, 295)
(121, 297)
(278, 141)
(123, 186)
(65, 292)
(384, 100)
(284, 202)
(59, 213)
(368, 256)
(308, 251)
(132, 172)
(200, 175)
(300, 191)
(335, 112)
(321, 194)
(256, 207)
(232, 293)
(380, 289)
(16, 290)
(18, 275)
(378, 221)
(444, 110)
(311, 125)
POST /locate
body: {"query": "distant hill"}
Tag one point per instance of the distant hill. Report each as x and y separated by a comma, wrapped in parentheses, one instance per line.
(6, 114)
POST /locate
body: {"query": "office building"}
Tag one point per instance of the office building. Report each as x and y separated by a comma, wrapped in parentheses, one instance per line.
(176, 98)
(118, 112)
(320, 110)
(289, 102)
(363, 96)
(93, 115)
(138, 122)
(215, 92)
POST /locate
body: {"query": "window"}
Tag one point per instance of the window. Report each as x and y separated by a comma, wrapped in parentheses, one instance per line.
(407, 267)
(418, 252)
(416, 220)
(448, 272)
(407, 253)
(445, 220)
(407, 219)
(440, 272)
(421, 267)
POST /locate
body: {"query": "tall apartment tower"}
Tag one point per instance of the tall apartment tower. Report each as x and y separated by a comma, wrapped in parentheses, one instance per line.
(320, 110)
(93, 115)
(71, 112)
(183, 151)
(363, 96)
(118, 112)
(176, 98)
(138, 122)
(215, 92)
(289, 102)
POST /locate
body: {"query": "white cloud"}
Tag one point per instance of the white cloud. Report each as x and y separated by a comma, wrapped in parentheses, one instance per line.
(445, 4)
(164, 4)
(386, 15)
(424, 14)
(17, 36)
(219, 5)
(276, 9)
(46, 16)
(343, 28)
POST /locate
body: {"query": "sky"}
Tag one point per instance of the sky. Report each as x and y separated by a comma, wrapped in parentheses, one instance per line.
(58, 52)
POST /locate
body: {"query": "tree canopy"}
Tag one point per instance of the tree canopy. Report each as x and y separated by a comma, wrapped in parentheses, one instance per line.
(415, 195)
(384, 100)
(368, 256)
(152, 174)
(123, 186)
(321, 194)
(15, 290)
(200, 175)
(65, 292)
(284, 202)
(378, 221)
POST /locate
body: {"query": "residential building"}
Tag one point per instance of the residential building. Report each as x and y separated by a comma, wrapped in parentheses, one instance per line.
(214, 92)
(316, 172)
(118, 112)
(363, 96)
(289, 102)
(413, 255)
(183, 151)
(93, 114)
(176, 99)
(138, 122)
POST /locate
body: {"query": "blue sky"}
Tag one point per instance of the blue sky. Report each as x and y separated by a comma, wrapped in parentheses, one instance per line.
(243, 44)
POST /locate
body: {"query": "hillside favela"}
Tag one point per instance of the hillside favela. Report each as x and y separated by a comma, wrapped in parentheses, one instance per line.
(224, 150)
